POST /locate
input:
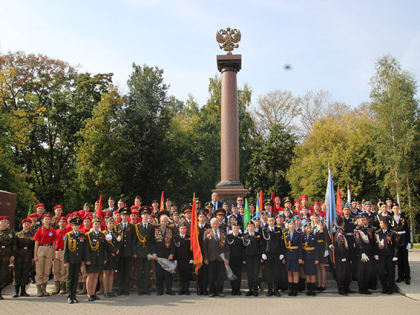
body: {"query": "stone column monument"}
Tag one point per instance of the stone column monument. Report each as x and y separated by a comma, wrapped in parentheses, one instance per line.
(229, 65)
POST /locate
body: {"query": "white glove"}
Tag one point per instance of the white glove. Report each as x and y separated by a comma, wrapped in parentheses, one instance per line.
(281, 257)
(108, 237)
(343, 259)
(364, 258)
(376, 257)
(264, 256)
(408, 246)
(331, 246)
(191, 262)
(394, 258)
(119, 238)
(326, 253)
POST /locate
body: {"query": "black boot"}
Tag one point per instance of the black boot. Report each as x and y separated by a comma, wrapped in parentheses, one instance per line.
(23, 291)
(313, 289)
(290, 288)
(16, 291)
(308, 289)
(1, 298)
(295, 289)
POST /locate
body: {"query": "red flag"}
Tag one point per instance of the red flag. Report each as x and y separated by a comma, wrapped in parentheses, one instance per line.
(261, 202)
(99, 210)
(194, 244)
(339, 206)
(272, 197)
(162, 202)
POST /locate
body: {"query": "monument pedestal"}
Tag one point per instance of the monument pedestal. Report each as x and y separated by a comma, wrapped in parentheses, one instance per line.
(229, 186)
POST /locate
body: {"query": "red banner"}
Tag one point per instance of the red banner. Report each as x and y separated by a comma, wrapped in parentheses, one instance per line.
(195, 245)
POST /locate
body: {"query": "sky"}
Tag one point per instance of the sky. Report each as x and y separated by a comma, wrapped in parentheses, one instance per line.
(330, 45)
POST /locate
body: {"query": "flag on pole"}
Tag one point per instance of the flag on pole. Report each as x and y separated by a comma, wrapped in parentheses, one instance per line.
(99, 210)
(261, 201)
(339, 205)
(194, 244)
(330, 202)
(348, 193)
(162, 201)
(30, 209)
(257, 207)
(247, 215)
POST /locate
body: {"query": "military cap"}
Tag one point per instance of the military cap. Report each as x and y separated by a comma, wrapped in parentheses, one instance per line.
(367, 203)
(134, 207)
(46, 215)
(124, 211)
(287, 199)
(290, 220)
(204, 212)
(76, 220)
(186, 209)
(346, 205)
(163, 212)
(208, 204)
(145, 209)
(26, 220)
(306, 223)
(255, 218)
(268, 202)
(221, 211)
(96, 220)
(296, 217)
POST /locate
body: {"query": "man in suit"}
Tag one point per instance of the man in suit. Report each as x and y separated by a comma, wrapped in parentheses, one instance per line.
(214, 245)
(215, 202)
(128, 234)
(141, 248)
(111, 206)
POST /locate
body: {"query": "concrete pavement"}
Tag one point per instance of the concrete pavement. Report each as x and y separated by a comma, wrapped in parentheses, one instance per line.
(325, 303)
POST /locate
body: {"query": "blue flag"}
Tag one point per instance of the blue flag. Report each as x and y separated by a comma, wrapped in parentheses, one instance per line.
(330, 202)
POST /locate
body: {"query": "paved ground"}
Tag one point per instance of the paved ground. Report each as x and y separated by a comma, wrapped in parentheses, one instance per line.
(325, 303)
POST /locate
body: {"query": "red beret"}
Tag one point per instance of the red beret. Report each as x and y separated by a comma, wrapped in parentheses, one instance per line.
(304, 197)
(106, 213)
(47, 215)
(316, 203)
(81, 213)
(62, 219)
(116, 212)
(87, 217)
(34, 215)
(135, 212)
(58, 206)
(39, 205)
(134, 207)
(297, 201)
(26, 220)
(4, 217)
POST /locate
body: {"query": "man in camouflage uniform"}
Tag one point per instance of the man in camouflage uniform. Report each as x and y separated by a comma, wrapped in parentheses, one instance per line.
(7, 251)
(24, 248)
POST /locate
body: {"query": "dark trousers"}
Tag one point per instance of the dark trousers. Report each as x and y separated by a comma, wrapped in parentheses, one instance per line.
(272, 272)
(124, 265)
(203, 278)
(403, 266)
(235, 264)
(163, 278)
(342, 275)
(364, 274)
(21, 272)
(354, 260)
(386, 271)
(216, 276)
(143, 274)
(185, 272)
(72, 279)
(252, 268)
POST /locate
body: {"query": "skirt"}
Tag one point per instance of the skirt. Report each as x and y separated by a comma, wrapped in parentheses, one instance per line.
(292, 265)
(309, 267)
(94, 268)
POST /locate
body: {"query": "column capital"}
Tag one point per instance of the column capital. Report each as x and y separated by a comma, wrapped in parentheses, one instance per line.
(229, 62)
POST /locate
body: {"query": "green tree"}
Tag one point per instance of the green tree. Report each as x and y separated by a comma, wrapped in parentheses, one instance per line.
(396, 112)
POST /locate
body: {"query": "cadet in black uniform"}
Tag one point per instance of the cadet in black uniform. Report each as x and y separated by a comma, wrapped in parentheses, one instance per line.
(349, 227)
(253, 252)
(341, 258)
(184, 257)
(113, 241)
(400, 226)
(293, 256)
(203, 271)
(95, 258)
(74, 247)
(142, 247)
(273, 255)
(364, 249)
(310, 258)
(7, 251)
(127, 233)
(237, 257)
(386, 255)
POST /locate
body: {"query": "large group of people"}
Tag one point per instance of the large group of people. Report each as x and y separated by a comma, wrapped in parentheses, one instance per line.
(287, 247)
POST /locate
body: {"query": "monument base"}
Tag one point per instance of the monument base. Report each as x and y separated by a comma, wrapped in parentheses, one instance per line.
(228, 192)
